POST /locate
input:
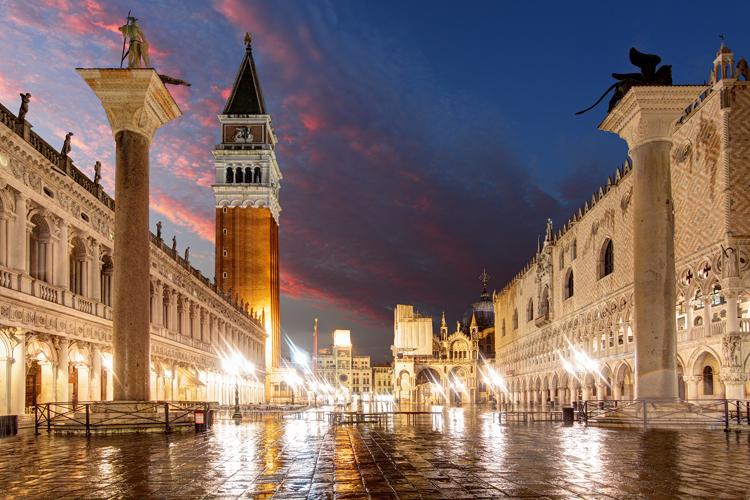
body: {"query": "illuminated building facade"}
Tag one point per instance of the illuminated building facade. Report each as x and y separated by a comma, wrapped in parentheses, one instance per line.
(445, 369)
(56, 250)
(575, 298)
(341, 368)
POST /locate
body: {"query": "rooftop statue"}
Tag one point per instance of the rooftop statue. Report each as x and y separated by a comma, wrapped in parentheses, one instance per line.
(138, 47)
(97, 173)
(25, 98)
(66, 144)
(649, 75)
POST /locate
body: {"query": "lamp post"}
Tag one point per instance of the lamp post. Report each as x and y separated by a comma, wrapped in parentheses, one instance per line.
(235, 365)
(237, 413)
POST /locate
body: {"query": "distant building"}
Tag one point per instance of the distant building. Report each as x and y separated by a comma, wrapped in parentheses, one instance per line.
(444, 369)
(382, 379)
(342, 369)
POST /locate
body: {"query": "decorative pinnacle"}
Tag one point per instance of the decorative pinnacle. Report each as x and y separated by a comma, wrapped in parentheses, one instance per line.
(248, 40)
(484, 278)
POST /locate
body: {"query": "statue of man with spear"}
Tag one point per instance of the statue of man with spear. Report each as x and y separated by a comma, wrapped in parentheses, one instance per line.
(138, 48)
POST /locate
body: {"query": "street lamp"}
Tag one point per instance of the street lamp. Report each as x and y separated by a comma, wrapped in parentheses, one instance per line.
(235, 365)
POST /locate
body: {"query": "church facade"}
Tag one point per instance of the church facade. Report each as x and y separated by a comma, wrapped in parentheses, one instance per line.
(445, 369)
(564, 323)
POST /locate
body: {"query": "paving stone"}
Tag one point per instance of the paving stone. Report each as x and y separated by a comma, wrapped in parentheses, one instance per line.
(297, 459)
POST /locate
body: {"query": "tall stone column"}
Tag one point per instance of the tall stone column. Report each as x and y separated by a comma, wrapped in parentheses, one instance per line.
(137, 103)
(645, 118)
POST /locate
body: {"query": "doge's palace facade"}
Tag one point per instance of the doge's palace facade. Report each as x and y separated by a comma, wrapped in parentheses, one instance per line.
(575, 296)
(56, 241)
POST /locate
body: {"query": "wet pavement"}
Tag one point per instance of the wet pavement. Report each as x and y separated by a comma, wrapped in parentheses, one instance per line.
(459, 455)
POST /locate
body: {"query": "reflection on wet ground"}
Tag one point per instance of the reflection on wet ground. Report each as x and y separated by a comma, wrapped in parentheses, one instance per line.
(461, 454)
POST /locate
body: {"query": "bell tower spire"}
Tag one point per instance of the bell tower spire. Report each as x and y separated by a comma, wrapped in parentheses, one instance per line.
(246, 190)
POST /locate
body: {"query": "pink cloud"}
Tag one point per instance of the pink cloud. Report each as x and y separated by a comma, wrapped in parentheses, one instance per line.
(182, 215)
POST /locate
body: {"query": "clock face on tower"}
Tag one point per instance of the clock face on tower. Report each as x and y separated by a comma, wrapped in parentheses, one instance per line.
(243, 134)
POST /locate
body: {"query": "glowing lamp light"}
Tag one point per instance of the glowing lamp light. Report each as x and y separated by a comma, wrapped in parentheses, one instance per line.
(342, 338)
(300, 358)
(107, 361)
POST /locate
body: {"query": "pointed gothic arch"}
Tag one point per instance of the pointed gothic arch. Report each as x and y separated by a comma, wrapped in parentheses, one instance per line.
(606, 259)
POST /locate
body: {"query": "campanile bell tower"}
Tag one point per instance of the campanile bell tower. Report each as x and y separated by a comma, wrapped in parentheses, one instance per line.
(247, 204)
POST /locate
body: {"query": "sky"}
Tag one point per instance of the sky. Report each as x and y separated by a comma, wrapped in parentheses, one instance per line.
(420, 141)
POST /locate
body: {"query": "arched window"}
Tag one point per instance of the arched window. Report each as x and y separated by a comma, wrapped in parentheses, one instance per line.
(238, 176)
(708, 381)
(180, 313)
(562, 259)
(106, 280)
(607, 259)
(165, 308)
(257, 176)
(40, 250)
(698, 321)
(573, 251)
(230, 175)
(503, 330)
(78, 267)
(530, 310)
(544, 303)
(568, 292)
(248, 175)
(515, 319)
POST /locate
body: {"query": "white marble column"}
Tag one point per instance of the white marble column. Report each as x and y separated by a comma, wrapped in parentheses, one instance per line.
(96, 374)
(691, 386)
(62, 257)
(19, 260)
(48, 382)
(83, 383)
(18, 375)
(63, 361)
(6, 238)
(645, 118)
(95, 267)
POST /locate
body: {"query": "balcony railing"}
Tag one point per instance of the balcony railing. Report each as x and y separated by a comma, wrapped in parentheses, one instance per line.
(46, 291)
(84, 305)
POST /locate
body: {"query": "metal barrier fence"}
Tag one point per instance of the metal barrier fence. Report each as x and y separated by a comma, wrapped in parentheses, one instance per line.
(717, 413)
(119, 415)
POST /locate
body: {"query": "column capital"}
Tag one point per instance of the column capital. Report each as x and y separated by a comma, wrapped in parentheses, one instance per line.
(648, 113)
(134, 99)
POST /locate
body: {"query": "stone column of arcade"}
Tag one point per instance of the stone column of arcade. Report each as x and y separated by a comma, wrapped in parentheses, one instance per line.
(645, 118)
(137, 103)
